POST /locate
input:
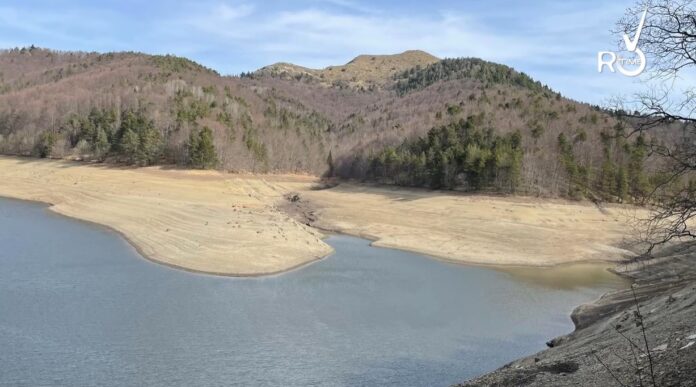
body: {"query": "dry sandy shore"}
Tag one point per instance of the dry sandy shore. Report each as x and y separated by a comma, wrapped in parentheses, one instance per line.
(233, 225)
(201, 221)
(478, 229)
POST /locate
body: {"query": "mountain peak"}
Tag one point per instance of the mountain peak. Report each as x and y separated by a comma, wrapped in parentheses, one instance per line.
(408, 59)
(364, 71)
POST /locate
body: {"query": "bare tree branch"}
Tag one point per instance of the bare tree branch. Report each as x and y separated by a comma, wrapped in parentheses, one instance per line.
(668, 40)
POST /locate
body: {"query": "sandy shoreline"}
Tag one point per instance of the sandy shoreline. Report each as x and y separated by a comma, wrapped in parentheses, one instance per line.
(199, 221)
(227, 224)
(477, 229)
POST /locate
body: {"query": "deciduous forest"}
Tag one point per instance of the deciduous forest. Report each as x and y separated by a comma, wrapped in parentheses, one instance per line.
(409, 119)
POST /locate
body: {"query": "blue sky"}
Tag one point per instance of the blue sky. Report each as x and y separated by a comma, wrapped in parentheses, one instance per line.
(555, 42)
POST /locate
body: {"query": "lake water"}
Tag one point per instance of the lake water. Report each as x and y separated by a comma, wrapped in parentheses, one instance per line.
(79, 307)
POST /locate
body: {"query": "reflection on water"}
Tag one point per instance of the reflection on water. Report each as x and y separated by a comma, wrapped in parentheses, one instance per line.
(567, 277)
(78, 307)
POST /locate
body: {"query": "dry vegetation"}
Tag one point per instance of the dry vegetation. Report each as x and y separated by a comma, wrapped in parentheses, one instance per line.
(365, 72)
(284, 118)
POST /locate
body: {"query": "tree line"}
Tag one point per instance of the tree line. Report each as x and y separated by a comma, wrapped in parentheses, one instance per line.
(622, 174)
(460, 155)
(129, 137)
(467, 156)
(464, 68)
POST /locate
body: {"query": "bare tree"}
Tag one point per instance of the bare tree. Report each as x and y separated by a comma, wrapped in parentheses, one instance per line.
(668, 40)
(668, 36)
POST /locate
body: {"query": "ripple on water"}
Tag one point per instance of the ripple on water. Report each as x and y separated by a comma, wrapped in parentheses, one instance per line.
(81, 308)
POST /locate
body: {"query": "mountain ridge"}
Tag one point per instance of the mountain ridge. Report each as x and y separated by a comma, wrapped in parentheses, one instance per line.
(363, 71)
(142, 109)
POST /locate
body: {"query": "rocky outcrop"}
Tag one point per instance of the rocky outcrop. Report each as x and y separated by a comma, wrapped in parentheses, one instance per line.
(644, 335)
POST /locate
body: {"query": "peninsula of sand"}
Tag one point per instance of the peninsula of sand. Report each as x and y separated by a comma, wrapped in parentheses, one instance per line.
(231, 224)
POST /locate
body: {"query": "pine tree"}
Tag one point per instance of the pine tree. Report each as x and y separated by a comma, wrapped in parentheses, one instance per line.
(150, 144)
(608, 177)
(637, 180)
(201, 149)
(140, 142)
(130, 143)
(101, 144)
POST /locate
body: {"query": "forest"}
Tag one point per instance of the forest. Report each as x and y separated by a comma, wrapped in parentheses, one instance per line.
(464, 156)
(414, 120)
(129, 137)
(455, 156)
(464, 68)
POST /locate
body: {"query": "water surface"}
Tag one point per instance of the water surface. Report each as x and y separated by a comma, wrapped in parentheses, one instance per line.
(79, 307)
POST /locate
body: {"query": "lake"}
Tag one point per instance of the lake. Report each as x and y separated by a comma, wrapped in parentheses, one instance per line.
(80, 307)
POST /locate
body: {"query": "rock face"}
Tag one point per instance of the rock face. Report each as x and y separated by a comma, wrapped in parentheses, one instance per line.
(608, 347)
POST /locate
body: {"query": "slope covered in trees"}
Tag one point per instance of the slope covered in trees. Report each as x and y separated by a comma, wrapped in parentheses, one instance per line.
(453, 156)
(463, 156)
(409, 119)
(463, 68)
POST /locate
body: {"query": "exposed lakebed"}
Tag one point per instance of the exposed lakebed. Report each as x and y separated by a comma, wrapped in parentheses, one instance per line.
(80, 307)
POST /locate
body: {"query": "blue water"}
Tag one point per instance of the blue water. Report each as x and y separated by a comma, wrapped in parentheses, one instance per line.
(79, 307)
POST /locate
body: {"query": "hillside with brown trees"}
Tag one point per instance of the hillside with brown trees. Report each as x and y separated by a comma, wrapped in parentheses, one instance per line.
(408, 119)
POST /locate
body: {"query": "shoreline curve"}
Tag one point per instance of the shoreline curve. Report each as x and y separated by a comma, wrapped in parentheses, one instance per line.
(214, 223)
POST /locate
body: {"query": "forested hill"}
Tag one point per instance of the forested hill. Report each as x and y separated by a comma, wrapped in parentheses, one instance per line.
(409, 119)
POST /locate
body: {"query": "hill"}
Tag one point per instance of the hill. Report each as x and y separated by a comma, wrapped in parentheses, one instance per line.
(408, 119)
(365, 72)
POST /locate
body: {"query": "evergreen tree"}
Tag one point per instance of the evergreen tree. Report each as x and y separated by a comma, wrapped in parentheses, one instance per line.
(454, 156)
(608, 177)
(101, 144)
(638, 182)
(130, 143)
(139, 141)
(201, 149)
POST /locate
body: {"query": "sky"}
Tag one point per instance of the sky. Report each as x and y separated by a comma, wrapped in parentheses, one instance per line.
(556, 42)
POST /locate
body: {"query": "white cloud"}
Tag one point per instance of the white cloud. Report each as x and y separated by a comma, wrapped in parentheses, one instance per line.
(226, 12)
(316, 33)
(555, 42)
(351, 5)
(563, 36)
(557, 47)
